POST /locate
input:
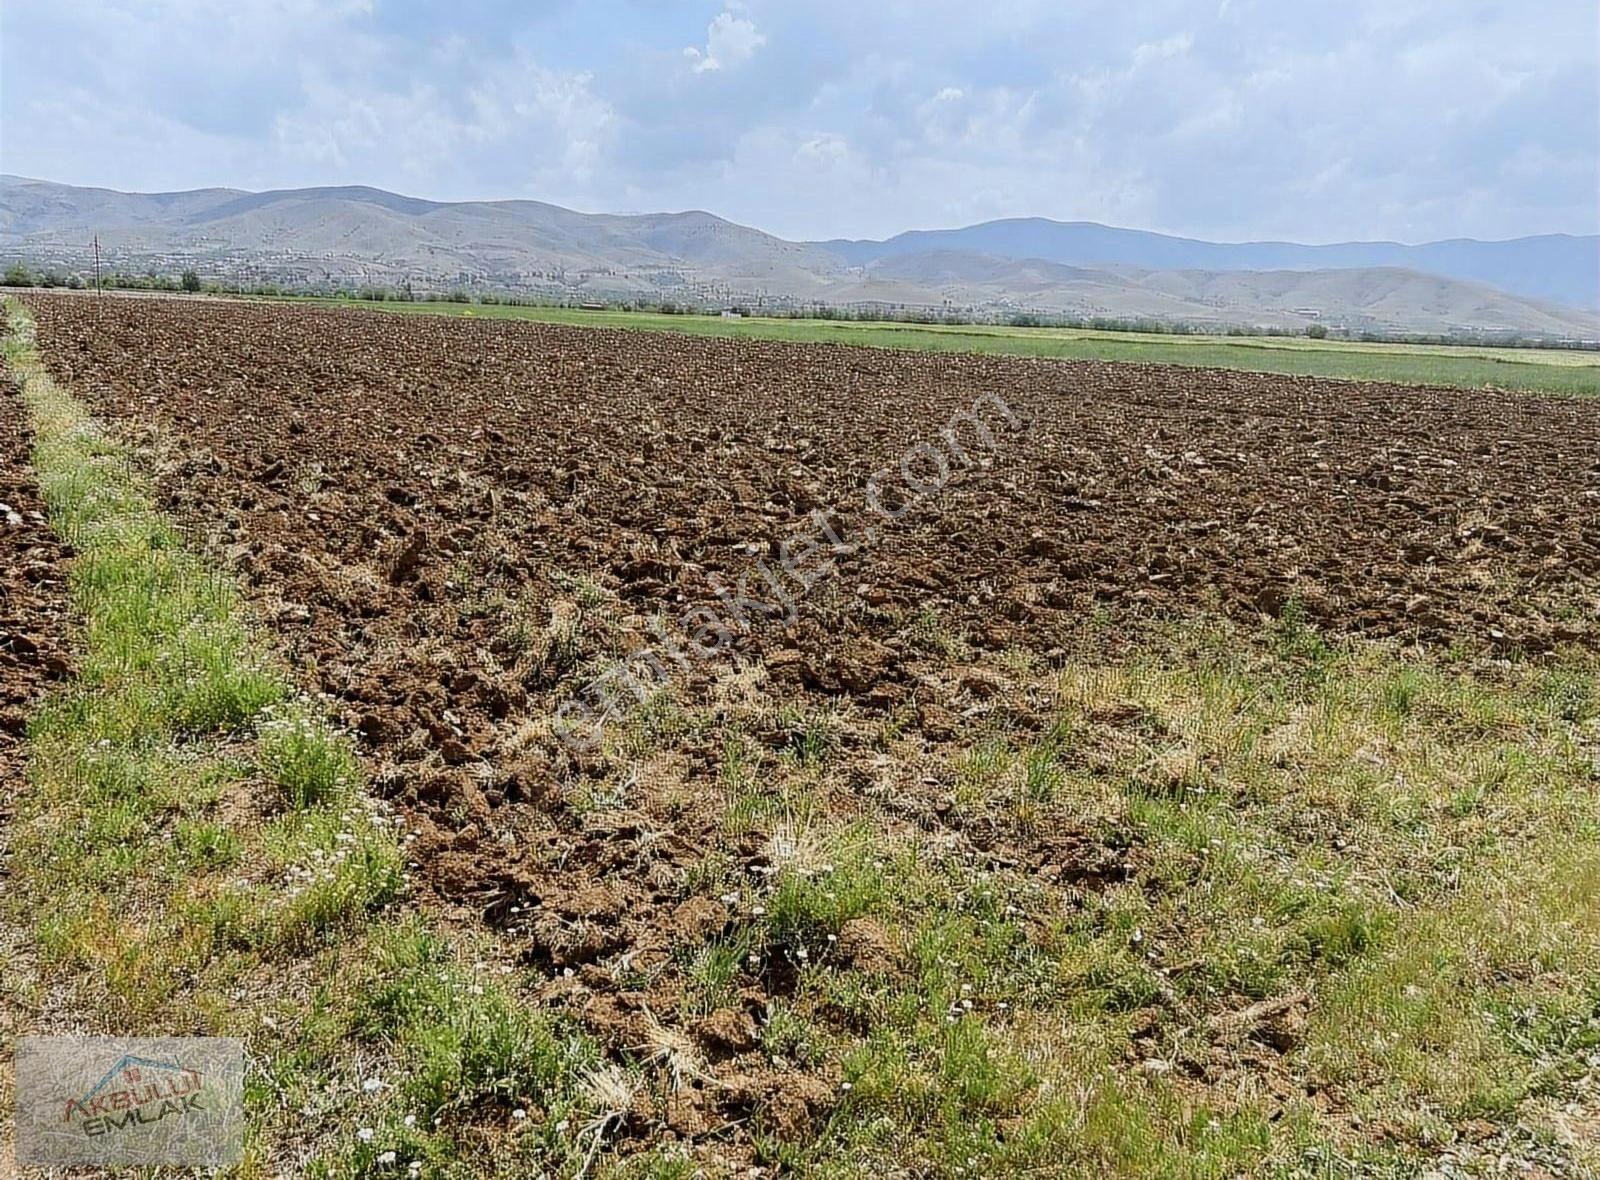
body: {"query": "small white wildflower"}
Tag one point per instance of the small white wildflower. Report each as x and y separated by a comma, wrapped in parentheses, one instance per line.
(410, 1120)
(386, 1158)
(519, 1114)
(372, 1085)
(365, 1134)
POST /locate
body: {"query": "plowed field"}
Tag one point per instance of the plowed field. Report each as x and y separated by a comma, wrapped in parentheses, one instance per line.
(457, 526)
(33, 594)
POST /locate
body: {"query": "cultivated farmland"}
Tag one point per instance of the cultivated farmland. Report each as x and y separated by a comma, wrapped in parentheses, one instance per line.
(1571, 371)
(965, 765)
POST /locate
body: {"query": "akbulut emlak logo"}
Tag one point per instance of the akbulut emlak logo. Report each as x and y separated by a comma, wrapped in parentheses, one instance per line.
(163, 1101)
(137, 1092)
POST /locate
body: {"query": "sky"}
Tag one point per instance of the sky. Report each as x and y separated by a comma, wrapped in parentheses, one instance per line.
(1410, 120)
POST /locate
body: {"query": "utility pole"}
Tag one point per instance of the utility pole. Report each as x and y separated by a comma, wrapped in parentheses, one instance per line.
(97, 263)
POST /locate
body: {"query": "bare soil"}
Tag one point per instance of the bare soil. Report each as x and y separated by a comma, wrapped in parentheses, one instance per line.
(34, 606)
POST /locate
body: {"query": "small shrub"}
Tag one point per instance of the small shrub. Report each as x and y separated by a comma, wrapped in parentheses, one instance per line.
(309, 762)
(207, 845)
(466, 1044)
(342, 868)
(806, 907)
(714, 972)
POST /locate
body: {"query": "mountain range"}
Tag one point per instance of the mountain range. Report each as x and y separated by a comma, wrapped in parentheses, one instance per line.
(1547, 285)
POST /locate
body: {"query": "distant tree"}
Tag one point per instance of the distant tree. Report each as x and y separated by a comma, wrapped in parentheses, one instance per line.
(190, 281)
(18, 275)
(1317, 331)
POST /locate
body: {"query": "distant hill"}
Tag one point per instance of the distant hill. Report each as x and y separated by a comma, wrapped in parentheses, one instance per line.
(1273, 298)
(1556, 267)
(354, 232)
(358, 235)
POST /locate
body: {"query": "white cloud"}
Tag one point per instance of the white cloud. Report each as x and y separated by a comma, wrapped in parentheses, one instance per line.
(1155, 51)
(730, 40)
(1410, 119)
(824, 151)
(538, 132)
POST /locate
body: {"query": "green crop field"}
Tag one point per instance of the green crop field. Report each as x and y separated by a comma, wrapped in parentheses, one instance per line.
(1542, 370)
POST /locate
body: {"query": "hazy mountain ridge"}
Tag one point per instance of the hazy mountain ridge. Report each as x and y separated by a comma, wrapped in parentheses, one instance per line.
(1278, 298)
(359, 235)
(1560, 268)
